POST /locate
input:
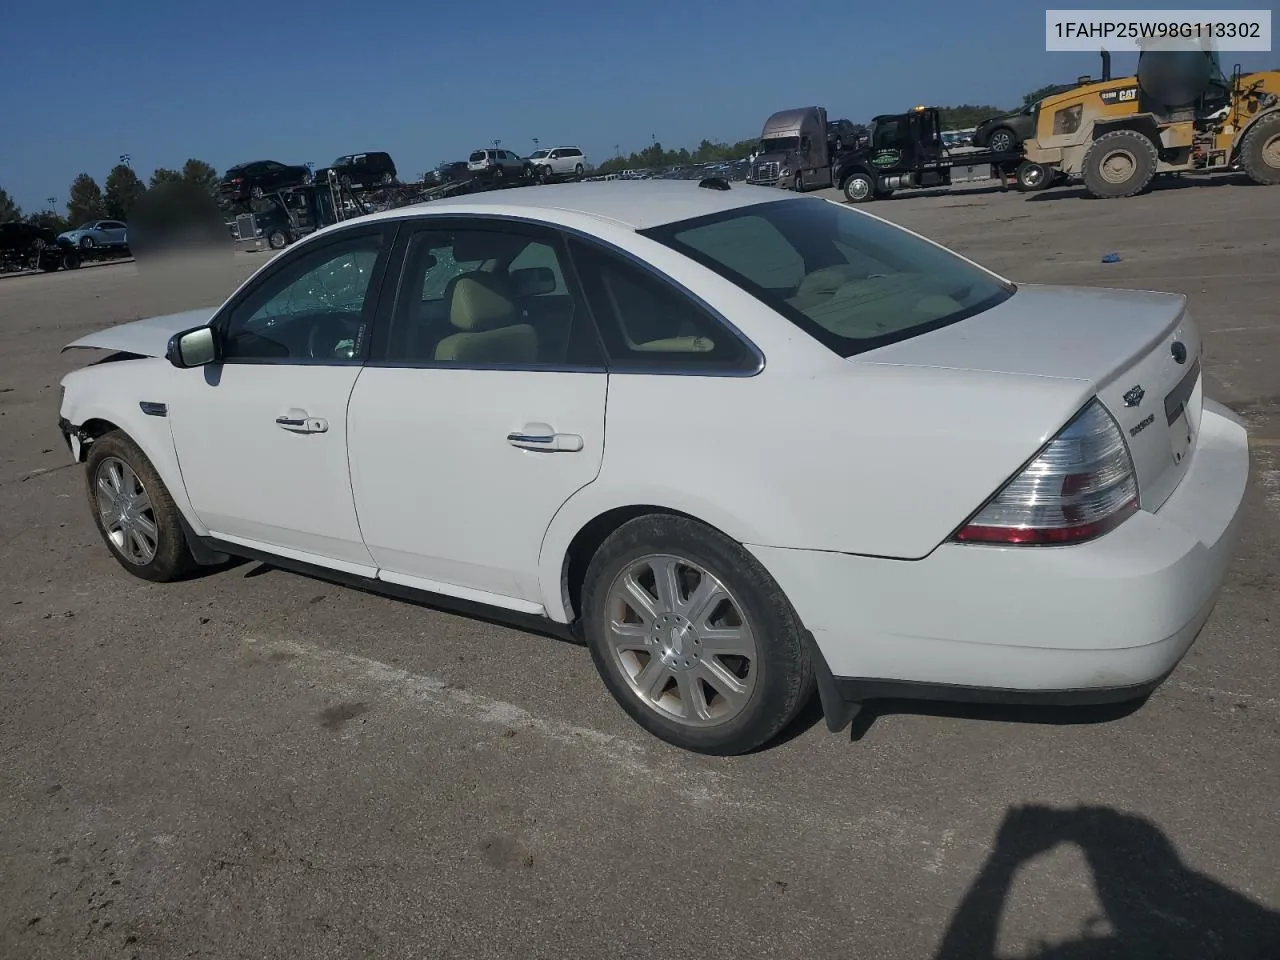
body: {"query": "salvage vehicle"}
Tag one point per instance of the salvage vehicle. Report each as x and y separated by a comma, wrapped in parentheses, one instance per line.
(620, 412)
(253, 181)
(371, 169)
(558, 163)
(1178, 114)
(105, 235)
(29, 246)
(499, 168)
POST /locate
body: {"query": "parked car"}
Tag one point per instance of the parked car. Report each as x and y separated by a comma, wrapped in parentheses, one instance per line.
(1001, 520)
(843, 135)
(558, 162)
(29, 246)
(252, 181)
(361, 169)
(106, 234)
(493, 167)
(455, 171)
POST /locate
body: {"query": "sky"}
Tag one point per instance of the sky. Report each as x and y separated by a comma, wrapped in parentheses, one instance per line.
(231, 81)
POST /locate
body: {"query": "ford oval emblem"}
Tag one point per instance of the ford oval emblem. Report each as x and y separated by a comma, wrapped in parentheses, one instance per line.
(1179, 351)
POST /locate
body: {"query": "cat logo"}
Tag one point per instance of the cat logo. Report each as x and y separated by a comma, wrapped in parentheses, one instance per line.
(1123, 95)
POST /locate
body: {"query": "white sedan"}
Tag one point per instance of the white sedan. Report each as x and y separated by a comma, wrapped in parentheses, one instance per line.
(746, 444)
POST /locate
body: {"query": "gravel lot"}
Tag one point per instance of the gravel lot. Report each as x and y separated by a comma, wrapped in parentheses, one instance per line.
(257, 764)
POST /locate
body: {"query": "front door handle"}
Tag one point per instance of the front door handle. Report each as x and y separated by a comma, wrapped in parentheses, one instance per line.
(297, 421)
(539, 436)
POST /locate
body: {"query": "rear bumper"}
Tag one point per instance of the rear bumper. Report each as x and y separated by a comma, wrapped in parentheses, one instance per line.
(1100, 622)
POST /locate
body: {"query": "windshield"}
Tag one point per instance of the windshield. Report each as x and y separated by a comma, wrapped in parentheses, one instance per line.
(779, 144)
(538, 154)
(341, 162)
(851, 281)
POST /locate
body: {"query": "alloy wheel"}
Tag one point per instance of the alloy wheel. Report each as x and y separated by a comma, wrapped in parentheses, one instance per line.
(126, 511)
(681, 641)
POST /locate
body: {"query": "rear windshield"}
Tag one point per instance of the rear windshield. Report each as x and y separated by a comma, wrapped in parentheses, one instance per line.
(478, 155)
(851, 281)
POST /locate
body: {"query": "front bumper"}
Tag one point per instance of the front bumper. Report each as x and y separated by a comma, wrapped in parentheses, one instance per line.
(1099, 622)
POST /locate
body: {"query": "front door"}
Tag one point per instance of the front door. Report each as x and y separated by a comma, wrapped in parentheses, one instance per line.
(261, 437)
(480, 414)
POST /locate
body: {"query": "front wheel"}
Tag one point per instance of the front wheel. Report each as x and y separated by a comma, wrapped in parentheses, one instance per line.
(87, 243)
(1260, 152)
(278, 239)
(133, 511)
(1002, 141)
(693, 638)
(859, 188)
(1120, 164)
(578, 171)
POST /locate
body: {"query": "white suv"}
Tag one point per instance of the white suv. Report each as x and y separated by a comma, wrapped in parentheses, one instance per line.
(559, 162)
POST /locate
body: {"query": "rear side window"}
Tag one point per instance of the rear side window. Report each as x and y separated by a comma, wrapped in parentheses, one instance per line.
(850, 280)
(649, 325)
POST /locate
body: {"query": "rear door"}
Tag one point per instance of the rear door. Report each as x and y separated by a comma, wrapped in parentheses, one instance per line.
(480, 414)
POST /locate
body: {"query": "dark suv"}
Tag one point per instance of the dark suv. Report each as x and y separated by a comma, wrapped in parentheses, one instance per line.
(252, 181)
(361, 169)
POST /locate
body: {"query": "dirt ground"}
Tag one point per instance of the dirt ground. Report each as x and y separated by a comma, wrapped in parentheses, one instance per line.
(258, 764)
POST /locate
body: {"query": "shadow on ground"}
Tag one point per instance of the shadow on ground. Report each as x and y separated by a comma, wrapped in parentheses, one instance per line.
(1154, 904)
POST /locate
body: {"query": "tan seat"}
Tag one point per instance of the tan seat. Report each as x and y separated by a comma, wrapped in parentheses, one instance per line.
(483, 312)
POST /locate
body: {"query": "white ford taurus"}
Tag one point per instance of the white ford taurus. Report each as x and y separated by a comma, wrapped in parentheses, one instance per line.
(744, 444)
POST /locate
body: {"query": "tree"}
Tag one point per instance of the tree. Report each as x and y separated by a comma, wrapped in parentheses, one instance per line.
(123, 190)
(165, 175)
(8, 209)
(654, 156)
(966, 115)
(50, 220)
(86, 201)
(1038, 94)
(200, 174)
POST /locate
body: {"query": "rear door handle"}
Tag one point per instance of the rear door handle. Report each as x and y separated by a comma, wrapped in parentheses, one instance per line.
(539, 436)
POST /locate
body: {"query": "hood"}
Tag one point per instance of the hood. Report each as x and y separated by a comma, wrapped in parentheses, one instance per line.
(147, 338)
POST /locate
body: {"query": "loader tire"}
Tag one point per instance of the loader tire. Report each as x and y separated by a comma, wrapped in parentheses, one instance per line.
(1260, 152)
(1119, 164)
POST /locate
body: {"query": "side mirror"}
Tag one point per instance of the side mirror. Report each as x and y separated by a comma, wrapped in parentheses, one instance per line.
(533, 281)
(192, 348)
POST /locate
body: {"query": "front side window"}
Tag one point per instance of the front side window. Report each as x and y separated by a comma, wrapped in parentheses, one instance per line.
(851, 281)
(488, 297)
(315, 309)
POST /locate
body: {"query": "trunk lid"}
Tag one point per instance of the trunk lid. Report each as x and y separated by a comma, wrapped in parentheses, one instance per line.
(1140, 352)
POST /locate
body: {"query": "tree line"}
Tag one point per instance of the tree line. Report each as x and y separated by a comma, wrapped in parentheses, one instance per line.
(120, 193)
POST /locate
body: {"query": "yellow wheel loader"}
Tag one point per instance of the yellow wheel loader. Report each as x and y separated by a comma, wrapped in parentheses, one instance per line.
(1179, 114)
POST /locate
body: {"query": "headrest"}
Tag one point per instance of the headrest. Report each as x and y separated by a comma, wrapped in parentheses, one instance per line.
(480, 302)
(826, 280)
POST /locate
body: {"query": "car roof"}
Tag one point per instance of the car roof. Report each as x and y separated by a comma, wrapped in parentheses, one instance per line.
(637, 204)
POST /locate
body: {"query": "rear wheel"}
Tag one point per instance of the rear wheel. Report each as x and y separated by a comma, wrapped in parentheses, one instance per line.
(133, 511)
(693, 638)
(859, 188)
(278, 239)
(1119, 164)
(1033, 176)
(1260, 152)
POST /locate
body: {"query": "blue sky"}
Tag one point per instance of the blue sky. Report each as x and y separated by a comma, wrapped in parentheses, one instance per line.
(229, 81)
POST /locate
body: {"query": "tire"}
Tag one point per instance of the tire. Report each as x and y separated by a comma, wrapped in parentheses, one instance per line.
(256, 192)
(114, 455)
(1033, 177)
(388, 179)
(1133, 160)
(277, 239)
(87, 243)
(577, 172)
(775, 678)
(1260, 151)
(545, 174)
(1002, 140)
(797, 184)
(858, 188)
(71, 260)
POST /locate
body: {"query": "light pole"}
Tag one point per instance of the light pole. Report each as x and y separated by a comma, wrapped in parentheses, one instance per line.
(126, 160)
(535, 144)
(53, 202)
(496, 144)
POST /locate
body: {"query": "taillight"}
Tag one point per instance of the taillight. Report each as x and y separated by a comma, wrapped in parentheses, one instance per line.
(1078, 487)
